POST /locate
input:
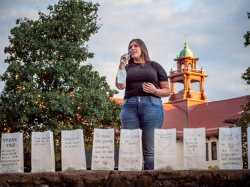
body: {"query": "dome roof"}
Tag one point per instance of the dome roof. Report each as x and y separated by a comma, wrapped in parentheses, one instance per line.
(186, 52)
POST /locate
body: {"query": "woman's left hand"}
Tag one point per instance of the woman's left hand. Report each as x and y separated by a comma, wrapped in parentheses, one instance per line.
(149, 87)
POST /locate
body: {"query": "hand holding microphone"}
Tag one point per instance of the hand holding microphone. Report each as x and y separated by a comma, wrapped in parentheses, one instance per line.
(125, 58)
(121, 73)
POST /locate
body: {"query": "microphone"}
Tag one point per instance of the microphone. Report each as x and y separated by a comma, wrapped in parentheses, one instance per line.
(124, 59)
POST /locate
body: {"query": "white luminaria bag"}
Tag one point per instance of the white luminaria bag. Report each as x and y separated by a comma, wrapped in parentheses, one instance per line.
(130, 153)
(12, 153)
(73, 150)
(103, 155)
(165, 149)
(230, 148)
(194, 148)
(42, 152)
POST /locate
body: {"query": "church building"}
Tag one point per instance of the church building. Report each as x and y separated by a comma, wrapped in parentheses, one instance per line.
(189, 108)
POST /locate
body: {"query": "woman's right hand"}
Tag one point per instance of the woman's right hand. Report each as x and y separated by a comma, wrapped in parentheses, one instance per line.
(124, 60)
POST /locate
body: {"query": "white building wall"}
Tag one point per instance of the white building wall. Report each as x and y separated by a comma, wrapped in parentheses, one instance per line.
(210, 162)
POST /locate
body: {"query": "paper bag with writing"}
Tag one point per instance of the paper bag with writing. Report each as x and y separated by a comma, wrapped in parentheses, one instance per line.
(103, 155)
(42, 152)
(130, 153)
(230, 148)
(11, 153)
(194, 148)
(73, 150)
(165, 149)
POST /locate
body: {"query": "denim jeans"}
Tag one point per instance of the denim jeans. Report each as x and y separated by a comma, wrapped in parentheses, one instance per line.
(146, 113)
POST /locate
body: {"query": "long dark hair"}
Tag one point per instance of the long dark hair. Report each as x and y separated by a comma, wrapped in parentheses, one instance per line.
(144, 51)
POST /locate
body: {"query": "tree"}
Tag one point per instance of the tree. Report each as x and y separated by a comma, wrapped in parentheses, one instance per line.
(247, 35)
(246, 77)
(245, 116)
(46, 87)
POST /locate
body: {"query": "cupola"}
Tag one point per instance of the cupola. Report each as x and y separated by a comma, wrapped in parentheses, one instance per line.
(187, 74)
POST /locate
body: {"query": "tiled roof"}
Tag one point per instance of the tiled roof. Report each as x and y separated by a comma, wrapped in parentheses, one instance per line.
(211, 115)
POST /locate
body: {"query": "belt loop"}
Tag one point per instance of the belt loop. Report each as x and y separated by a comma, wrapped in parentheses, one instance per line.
(139, 98)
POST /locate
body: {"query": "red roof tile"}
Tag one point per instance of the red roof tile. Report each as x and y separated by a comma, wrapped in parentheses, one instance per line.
(211, 115)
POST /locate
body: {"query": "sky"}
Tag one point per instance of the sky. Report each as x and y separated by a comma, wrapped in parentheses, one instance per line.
(213, 30)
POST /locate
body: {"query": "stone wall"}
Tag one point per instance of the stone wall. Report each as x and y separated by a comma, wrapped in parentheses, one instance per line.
(218, 178)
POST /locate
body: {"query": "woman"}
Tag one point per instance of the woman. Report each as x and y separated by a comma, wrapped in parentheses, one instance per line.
(145, 82)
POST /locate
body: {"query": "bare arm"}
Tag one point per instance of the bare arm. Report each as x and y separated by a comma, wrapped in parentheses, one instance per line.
(119, 86)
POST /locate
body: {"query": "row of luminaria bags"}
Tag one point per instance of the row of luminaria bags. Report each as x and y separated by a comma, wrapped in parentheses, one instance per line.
(73, 155)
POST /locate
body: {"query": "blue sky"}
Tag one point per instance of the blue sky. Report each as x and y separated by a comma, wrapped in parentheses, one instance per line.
(214, 32)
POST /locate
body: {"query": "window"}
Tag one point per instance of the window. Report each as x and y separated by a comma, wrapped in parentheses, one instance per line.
(214, 150)
(206, 151)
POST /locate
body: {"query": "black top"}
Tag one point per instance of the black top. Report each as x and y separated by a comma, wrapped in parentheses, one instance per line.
(137, 74)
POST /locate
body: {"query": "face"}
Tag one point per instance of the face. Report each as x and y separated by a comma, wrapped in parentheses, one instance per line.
(135, 49)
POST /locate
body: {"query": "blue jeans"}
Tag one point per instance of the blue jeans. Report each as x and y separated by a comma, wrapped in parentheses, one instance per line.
(146, 113)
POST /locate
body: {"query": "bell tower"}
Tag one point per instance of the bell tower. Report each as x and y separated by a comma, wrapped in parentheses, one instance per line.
(187, 74)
